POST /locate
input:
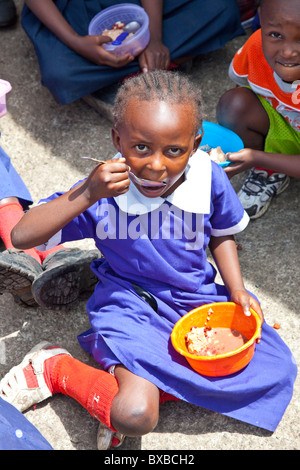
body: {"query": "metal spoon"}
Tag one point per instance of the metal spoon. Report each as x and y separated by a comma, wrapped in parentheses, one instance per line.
(100, 162)
(131, 27)
(144, 182)
(138, 180)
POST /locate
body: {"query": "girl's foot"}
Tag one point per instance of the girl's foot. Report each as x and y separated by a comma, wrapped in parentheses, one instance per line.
(26, 384)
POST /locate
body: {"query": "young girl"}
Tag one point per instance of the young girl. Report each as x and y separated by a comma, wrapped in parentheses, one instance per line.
(153, 233)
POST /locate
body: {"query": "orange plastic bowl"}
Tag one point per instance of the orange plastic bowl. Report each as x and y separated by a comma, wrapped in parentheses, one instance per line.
(225, 314)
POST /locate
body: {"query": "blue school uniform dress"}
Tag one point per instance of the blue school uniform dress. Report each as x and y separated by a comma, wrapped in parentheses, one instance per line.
(11, 184)
(190, 28)
(160, 244)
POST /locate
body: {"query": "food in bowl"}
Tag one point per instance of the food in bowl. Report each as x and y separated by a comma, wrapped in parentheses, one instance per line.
(121, 32)
(207, 341)
(116, 29)
(217, 155)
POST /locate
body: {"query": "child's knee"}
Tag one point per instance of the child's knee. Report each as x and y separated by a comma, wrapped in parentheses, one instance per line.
(137, 418)
(143, 419)
(233, 104)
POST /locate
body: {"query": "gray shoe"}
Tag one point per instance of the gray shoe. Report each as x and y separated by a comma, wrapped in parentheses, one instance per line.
(66, 275)
(259, 189)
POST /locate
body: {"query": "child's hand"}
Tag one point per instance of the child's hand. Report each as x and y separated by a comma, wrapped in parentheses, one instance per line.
(107, 180)
(246, 301)
(241, 161)
(91, 48)
(155, 56)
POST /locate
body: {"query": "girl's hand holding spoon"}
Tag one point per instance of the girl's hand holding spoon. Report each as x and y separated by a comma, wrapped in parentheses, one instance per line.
(108, 179)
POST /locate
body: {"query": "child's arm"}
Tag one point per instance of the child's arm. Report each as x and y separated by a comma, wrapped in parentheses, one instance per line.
(86, 46)
(40, 223)
(248, 158)
(224, 252)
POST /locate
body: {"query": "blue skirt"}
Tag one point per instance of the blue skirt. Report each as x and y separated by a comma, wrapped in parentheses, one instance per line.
(126, 330)
(12, 184)
(190, 28)
(17, 433)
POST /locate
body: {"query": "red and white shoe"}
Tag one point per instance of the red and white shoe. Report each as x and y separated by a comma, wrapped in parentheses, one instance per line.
(13, 386)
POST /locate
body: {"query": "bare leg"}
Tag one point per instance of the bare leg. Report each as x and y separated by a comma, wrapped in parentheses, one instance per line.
(135, 409)
(241, 111)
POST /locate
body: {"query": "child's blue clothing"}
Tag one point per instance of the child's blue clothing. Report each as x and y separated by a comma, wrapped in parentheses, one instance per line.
(160, 244)
(11, 184)
(17, 433)
(190, 28)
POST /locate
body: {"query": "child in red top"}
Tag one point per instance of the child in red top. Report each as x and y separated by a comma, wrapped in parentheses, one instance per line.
(265, 109)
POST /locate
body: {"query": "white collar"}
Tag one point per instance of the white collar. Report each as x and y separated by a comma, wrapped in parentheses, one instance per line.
(193, 195)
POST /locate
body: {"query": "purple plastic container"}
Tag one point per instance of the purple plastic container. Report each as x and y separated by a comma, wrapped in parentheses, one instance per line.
(126, 12)
(5, 87)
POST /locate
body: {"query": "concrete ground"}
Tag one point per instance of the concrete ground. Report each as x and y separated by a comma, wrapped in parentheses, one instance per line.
(45, 142)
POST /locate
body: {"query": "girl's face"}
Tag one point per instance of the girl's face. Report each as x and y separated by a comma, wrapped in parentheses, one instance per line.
(157, 140)
(280, 24)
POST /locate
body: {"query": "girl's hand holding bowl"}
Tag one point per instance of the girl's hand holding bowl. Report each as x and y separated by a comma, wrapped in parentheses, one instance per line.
(247, 302)
(91, 47)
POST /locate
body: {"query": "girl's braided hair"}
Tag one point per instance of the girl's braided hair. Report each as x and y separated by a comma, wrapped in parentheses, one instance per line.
(167, 86)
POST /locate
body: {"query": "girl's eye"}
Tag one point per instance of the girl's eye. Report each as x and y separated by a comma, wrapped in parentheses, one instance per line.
(275, 35)
(141, 148)
(175, 151)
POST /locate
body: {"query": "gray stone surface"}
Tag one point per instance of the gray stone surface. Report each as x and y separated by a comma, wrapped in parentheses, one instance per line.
(45, 142)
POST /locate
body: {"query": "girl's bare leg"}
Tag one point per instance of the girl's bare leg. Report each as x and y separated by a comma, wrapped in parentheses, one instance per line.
(135, 409)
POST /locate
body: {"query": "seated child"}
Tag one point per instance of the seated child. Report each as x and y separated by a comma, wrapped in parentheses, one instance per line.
(265, 109)
(153, 211)
(74, 65)
(51, 279)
